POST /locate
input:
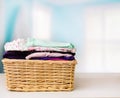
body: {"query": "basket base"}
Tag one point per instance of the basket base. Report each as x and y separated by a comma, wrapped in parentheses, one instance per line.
(52, 89)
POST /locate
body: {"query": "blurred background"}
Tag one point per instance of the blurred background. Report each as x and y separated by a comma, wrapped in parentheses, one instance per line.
(93, 26)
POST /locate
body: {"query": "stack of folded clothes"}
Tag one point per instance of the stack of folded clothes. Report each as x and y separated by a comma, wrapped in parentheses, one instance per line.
(36, 49)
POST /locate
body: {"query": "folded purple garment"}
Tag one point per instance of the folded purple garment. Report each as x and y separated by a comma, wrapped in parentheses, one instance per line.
(16, 54)
(54, 58)
(23, 54)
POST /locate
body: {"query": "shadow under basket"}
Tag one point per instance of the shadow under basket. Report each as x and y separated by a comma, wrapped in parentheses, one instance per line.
(39, 75)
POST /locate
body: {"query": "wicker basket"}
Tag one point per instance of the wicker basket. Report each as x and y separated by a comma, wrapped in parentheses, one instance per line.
(39, 75)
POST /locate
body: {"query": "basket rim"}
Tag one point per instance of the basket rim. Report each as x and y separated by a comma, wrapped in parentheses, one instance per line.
(39, 61)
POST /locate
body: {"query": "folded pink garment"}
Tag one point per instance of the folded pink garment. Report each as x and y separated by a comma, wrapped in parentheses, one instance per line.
(52, 49)
(47, 54)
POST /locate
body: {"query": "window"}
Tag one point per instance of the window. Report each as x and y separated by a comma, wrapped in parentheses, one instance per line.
(102, 46)
(41, 22)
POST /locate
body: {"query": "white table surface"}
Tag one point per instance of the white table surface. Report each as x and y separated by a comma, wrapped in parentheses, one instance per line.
(86, 85)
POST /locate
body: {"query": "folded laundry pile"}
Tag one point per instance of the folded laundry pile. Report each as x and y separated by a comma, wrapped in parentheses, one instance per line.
(37, 65)
(36, 49)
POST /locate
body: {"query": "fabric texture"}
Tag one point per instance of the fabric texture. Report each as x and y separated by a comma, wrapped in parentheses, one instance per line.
(46, 54)
(42, 43)
(36, 44)
(24, 54)
(38, 49)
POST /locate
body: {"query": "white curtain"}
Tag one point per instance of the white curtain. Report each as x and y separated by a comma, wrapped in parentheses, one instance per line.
(15, 22)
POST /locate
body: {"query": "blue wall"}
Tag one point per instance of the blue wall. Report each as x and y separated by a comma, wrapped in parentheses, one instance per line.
(10, 19)
(12, 9)
(67, 26)
(67, 21)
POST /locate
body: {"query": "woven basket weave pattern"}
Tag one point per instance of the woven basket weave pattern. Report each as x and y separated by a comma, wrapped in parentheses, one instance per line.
(39, 75)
